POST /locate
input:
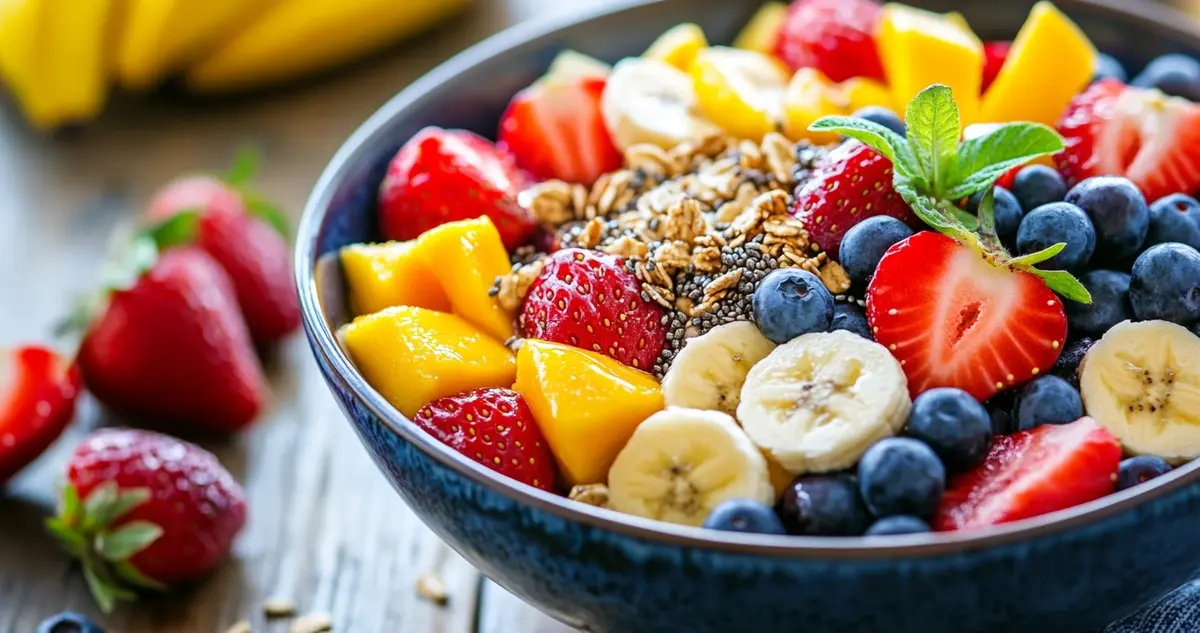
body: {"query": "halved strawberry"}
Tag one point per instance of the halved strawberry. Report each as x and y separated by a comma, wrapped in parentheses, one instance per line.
(1115, 130)
(1031, 473)
(37, 401)
(554, 129)
(994, 56)
(955, 319)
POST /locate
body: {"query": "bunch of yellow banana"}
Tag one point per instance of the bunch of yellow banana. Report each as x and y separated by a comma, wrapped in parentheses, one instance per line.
(59, 58)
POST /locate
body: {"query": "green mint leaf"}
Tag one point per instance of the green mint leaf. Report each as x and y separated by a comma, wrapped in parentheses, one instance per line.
(925, 207)
(981, 161)
(966, 219)
(267, 212)
(124, 543)
(177, 230)
(245, 165)
(891, 145)
(987, 215)
(1040, 256)
(934, 128)
(1064, 284)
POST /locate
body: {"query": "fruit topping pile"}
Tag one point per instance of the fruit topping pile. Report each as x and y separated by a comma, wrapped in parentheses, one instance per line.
(861, 273)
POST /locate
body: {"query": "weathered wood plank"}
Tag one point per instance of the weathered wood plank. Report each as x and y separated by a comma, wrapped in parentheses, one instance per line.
(502, 612)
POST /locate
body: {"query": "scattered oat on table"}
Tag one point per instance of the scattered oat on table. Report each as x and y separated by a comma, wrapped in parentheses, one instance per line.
(591, 494)
(312, 623)
(431, 588)
(279, 608)
(240, 627)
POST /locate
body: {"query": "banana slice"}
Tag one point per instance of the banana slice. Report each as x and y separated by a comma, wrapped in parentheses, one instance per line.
(571, 65)
(682, 463)
(1142, 382)
(709, 371)
(650, 101)
(819, 401)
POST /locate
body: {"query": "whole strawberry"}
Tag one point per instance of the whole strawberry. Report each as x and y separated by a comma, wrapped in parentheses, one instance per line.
(589, 300)
(851, 184)
(144, 510)
(37, 401)
(495, 428)
(440, 176)
(245, 236)
(836, 37)
(171, 346)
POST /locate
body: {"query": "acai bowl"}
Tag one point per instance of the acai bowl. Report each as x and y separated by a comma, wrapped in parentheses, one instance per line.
(923, 377)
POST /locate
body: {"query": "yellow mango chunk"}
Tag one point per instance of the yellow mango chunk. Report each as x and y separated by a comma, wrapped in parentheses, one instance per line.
(466, 257)
(761, 33)
(678, 46)
(919, 49)
(739, 90)
(860, 92)
(1049, 63)
(809, 96)
(587, 405)
(390, 274)
(413, 356)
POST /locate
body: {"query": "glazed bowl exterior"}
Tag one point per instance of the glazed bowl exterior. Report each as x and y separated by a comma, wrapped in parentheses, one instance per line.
(1072, 571)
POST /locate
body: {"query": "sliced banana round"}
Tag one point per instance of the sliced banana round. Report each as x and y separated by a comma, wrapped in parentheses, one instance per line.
(709, 371)
(1142, 382)
(682, 463)
(819, 401)
(650, 101)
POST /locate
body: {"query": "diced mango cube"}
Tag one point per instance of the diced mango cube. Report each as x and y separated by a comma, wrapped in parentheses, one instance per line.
(809, 96)
(413, 356)
(920, 48)
(587, 405)
(741, 91)
(678, 46)
(467, 256)
(380, 276)
(761, 33)
(1049, 63)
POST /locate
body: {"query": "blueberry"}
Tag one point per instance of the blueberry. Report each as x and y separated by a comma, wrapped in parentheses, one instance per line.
(866, 242)
(850, 317)
(1057, 222)
(1174, 74)
(1036, 185)
(900, 475)
(1175, 218)
(899, 524)
(953, 424)
(1067, 365)
(790, 302)
(884, 117)
(1107, 67)
(68, 623)
(1118, 211)
(1139, 470)
(1047, 400)
(1110, 303)
(1166, 284)
(744, 515)
(1006, 211)
(824, 505)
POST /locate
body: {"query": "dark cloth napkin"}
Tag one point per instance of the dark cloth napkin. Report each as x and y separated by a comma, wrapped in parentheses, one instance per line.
(1176, 612)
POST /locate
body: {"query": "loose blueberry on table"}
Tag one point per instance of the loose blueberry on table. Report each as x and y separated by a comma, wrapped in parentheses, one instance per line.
(857, 274)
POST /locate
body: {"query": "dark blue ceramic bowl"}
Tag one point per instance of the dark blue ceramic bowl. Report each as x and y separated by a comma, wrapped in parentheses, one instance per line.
(1070, 571)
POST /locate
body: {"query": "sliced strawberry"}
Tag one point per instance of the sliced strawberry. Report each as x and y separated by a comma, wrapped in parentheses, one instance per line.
(441, 176)
(836, 37)
(1114, 130)
(495, 428)
(589, 300)
(554, 129)
(37, 401)
(994, 56)
(851, 184)
(954, 319)
(1031, 473)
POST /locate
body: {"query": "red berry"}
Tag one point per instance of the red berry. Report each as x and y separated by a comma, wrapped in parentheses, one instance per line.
(495, 428)
(37, 401)
(954, 319)
(590, 300)
(151, 504)
(554, 129)
(174, 348)
(441, 176)
(1151, 139)
(836, 37)
(1031, 473)
(851, 184)
(994, 56)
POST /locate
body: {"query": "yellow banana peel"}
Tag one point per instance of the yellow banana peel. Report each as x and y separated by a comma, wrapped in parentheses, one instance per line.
(297, 37)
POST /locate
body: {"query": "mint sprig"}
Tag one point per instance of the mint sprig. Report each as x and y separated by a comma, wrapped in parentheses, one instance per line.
(934, 172)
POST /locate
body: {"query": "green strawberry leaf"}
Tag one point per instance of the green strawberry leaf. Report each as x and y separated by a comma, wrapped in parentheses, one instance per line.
(131, 575)
(69, 505)
(891, 145)
(1040, 256)
(1063, 283)
(177, 230)
(934, 129)
(245, 165)
(127, 541)
(70, 539)
(267, 212)
(103, 592)
(95, 507)
(982, 160)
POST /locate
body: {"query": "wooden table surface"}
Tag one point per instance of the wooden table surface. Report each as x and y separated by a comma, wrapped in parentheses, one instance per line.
(326, 530)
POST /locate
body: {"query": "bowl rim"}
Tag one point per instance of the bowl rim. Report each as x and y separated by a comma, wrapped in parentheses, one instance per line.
(324, 345)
